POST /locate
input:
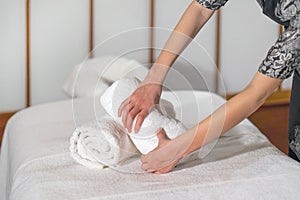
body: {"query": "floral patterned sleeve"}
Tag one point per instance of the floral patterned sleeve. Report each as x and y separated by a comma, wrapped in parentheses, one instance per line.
(212, 4)
(284, 57)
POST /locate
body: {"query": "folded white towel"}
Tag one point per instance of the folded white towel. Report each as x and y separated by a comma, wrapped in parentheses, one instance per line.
(101, 143)
(146, 139)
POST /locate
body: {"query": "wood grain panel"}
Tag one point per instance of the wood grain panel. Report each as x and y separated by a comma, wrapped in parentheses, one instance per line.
(91, 33)
(28, 53)
(152, 24)
(218, 53)
(272, 120)
(4, 117)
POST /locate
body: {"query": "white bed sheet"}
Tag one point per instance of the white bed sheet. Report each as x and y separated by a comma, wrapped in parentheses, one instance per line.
(35, 161)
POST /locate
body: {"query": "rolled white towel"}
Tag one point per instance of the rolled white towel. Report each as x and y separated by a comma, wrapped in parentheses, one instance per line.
(146, 139)
(101, 143)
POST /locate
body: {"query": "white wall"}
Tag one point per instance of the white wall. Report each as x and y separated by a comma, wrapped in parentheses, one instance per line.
(200, 72)
(12, 55)
(59, 41)
(246, 37)
(121, 28)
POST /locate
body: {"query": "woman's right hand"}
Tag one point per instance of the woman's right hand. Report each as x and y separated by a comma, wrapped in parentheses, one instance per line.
(139, 104)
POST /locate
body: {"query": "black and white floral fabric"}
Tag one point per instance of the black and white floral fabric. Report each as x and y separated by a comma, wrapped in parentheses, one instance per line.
(294, 143)
(284, 57)
(287, 9)
(212, 4)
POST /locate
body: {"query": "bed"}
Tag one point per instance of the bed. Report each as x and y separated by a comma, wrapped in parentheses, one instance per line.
(36, 164)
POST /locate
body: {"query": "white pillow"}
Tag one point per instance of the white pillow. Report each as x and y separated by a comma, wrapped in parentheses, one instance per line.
(93, 76)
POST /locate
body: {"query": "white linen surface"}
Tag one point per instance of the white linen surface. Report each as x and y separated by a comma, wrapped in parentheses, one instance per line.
(35, 161)
(146, 139)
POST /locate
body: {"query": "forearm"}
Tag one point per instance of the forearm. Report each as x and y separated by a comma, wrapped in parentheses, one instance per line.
(230, 114)
(187, 28)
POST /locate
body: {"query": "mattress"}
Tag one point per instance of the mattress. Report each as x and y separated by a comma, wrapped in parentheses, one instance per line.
(242, 164)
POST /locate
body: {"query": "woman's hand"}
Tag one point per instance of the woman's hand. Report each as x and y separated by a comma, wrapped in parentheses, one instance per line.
(164, 157)
(139, 104)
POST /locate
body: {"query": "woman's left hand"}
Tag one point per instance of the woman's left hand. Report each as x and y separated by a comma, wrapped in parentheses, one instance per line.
(164, 157)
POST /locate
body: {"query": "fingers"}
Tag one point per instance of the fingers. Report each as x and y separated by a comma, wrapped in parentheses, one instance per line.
(126, 110)
(146, 166)
(165, 170)
(122, 106)
(143, 158)
(130, 117)
(138, 105)
(161, 135)
(140, 119)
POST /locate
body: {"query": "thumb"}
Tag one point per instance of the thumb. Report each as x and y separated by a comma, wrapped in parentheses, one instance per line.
(162, 137)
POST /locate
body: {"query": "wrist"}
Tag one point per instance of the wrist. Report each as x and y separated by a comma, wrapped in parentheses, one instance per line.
(181, 145)
(156, 74)
(186, 143)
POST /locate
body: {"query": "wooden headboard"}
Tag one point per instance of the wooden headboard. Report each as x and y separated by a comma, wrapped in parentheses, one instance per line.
(91, 42)
(152, 23)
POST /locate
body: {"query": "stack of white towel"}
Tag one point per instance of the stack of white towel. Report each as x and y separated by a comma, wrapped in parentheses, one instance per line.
(107, 143)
